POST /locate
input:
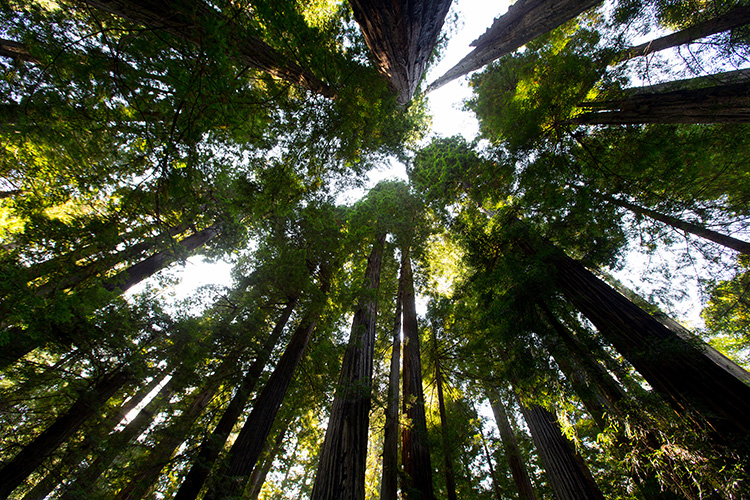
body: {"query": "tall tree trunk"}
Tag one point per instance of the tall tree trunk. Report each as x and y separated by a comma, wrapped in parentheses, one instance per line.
(212, 445)
(43, 488)
(33, 454)
(341, 469)
(83, 486)
(493, 474)
(687, 378)
(147, 267)
(450, 476)
(685, 101)
(524, 21)
(689, 227)
(143, 480)
(389, 480)
(568, 475)
(401, 36)
(188, 20)
(258, 476)
(244, 454)
(738, 16)
(512, 452)
(415, 449)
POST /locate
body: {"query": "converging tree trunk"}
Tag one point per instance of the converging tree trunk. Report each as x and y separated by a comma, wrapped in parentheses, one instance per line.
(212, 445)
(568, 475)
(33, 454)
(415, 449)
(401, 36)
(389, 480)
(676, 369)
(524, 21)
(450, 475)
(342, 463)
(258, 476)
(512, 451)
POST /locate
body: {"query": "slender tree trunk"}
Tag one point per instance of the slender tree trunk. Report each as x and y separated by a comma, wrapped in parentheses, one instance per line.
(524, 21)
(258, 476)
(389, 481)
(493, 474)
(689, 227)
(450, 476)
(147, 267)
(680, 372)
(83, 486)
(415, 450)
(568, 475)
(738, 16)
(33, 454)
(512, 452)
(341, 469)
(68, 464)
(244, 454)
(212, 445)
(143, 480)
(188, 20)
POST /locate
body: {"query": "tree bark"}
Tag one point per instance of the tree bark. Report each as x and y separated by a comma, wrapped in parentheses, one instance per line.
(568, 476)
(187, 21)
(689, 227)
(342, 463)
(687, 378)
(450, 475)
(401, 36)
(258, 477)
(723, 103)
(17, 51)
(415, 450)
(512, 452)
(524, 21)
(738, 16)
(146, 268)
(244, 454)
(43, 488)
(32, 455)
(212, 445)
(389, 480)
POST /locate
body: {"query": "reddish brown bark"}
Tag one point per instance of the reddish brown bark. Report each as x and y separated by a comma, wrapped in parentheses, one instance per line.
(341, 468)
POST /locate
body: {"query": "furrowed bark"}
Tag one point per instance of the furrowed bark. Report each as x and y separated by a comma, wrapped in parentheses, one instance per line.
(524, 21)
(341, 468)
(389, 481)
(415, 450)
(450, 476)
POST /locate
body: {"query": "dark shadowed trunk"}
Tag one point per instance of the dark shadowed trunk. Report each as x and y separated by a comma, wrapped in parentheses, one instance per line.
(258, 477)
(401, 36)
(74, 458)
(33, 454)
(524, 21)
(512, 452)
(389, 481)
(415, 449)
(688, 227)
(568, 475)
(738, 16)
(676, 369)
(341, 469)
(212, 445)
(244, 454)
(188, 21)
(724, 100)
(450, 476)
